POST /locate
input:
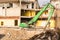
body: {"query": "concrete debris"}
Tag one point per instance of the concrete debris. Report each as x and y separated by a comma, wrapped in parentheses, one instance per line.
(47, 35)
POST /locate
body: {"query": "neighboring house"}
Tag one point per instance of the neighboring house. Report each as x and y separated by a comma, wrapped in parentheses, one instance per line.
(9, 14)
(56, 4)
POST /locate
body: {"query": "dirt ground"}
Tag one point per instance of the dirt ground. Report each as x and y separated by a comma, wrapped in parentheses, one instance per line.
(17, 34)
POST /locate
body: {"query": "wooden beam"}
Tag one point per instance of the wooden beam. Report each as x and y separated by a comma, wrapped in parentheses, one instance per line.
(4, 1)
(54, 0)
(9, 17)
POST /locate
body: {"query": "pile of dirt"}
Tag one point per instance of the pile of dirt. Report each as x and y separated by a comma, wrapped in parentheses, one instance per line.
(16, 34)
(47, 35)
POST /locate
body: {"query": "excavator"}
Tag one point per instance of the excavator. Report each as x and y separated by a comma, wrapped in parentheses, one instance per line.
(50, 34)
(35, 18)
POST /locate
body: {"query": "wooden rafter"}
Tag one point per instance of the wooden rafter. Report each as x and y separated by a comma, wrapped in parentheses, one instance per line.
(3, 1)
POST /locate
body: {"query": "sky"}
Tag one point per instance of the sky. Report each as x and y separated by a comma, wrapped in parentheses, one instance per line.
(43, 2)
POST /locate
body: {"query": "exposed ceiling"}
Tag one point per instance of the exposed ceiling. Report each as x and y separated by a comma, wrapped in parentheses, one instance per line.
(2, 1)
(54, 0)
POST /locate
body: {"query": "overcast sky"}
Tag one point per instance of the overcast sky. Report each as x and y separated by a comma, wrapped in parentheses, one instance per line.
(43, 2)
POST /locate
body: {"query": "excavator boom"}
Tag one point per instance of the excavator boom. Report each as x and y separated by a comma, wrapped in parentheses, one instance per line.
(39, 14)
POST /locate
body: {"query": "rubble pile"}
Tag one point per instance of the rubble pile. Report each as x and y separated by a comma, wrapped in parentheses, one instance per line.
(47, 35)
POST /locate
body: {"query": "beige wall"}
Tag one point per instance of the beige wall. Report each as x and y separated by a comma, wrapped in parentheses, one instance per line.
(10, 12)
(8, 22)
(13, 12)
(2, 12)
(15, 5)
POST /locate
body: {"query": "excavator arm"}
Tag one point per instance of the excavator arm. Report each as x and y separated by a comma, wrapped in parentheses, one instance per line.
(24, 25)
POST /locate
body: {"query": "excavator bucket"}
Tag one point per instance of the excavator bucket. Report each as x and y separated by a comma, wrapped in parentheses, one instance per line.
(23, 25)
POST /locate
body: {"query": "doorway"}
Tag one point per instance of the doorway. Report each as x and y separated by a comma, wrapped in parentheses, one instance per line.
(16, 22)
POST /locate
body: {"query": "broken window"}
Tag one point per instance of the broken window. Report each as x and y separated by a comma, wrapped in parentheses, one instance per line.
(2, 23)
